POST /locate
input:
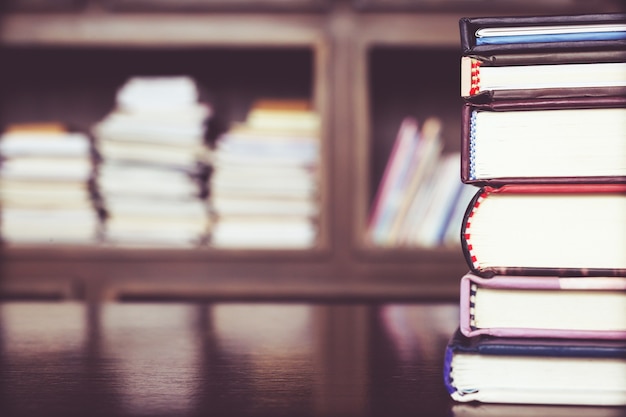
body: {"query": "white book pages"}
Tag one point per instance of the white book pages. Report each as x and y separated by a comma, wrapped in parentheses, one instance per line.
(549, 143)
(49, 226)
(49, 169)
(154, 181)
(151, 153)
(550, 230)
(588, 75)
(539, 380)
(549, 29)
(264, 234)
(551, 309)
(52, 144)
(264, 206)
(157, 93)
(187, 208)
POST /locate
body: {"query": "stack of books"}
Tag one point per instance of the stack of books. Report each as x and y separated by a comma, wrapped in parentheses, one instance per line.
(154, 163)
(420, 197)
(543, 308)
(264, 188)
(46, 178)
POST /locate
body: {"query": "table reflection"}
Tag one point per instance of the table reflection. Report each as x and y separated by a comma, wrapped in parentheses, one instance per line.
(233, 359)
(512, 410)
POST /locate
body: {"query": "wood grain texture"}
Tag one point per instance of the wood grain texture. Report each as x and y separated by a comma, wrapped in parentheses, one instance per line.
(232, 359)
(254, 359)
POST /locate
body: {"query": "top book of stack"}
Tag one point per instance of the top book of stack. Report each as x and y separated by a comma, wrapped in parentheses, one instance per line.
(543, 57)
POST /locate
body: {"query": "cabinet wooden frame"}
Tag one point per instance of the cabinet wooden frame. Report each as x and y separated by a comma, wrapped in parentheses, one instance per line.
(344, 265)
(218, 5)
(402, 30)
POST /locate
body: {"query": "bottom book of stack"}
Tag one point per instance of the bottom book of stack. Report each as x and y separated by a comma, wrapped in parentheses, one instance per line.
(536, 370)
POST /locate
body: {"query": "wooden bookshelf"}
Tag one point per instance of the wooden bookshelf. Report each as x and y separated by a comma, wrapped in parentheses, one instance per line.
(351, 58)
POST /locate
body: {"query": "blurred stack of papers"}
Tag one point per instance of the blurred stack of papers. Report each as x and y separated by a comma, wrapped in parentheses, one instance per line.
(155, 163)
(264, 188)
(46, 178)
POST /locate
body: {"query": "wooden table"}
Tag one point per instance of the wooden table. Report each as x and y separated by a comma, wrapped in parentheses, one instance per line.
(234, 359)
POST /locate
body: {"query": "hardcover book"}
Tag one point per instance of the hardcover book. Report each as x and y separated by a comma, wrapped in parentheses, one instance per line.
(590, 32)
(544, 141)
(547, 229)
(543, 306)
(536, 371)
(532, 76)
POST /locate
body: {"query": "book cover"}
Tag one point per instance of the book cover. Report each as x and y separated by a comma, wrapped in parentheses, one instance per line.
(535, 370)
(591, 32)
(546, 229)
(566, 140)
(543, 306)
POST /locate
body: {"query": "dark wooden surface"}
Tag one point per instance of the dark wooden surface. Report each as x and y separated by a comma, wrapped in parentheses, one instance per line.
(233, 359)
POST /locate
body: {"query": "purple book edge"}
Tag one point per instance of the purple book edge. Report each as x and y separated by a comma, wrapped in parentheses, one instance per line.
(533, 282)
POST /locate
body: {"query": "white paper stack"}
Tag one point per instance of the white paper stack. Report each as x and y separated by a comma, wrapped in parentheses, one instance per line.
(45, 178)
(154, 159)
(265, 187)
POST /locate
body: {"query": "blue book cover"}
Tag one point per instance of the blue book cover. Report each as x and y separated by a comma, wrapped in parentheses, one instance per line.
(591, 32)
(535, 371)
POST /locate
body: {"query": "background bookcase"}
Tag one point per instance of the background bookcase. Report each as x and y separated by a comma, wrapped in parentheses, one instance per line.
(365, 64)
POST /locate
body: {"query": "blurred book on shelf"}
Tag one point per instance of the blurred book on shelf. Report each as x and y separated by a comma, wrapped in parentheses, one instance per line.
(151, 206)
(421, 192)
(154, 163)
(46, 183)
(264, 189)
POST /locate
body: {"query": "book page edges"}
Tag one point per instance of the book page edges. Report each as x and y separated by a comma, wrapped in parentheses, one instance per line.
(466, 76)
